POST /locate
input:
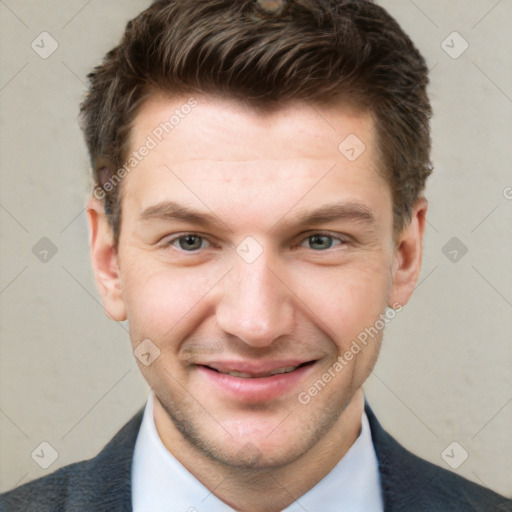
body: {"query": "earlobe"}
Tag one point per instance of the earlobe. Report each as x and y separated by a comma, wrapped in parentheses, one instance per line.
(408, 256)
(104, 260)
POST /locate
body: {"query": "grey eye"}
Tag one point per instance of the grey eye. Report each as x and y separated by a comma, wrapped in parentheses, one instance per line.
(320, 242)
(190, 242)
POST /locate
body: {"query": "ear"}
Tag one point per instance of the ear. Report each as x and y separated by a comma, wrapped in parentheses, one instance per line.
(105, 261)
(408, 255)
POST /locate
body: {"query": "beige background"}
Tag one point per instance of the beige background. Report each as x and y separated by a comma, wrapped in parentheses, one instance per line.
(68, 376)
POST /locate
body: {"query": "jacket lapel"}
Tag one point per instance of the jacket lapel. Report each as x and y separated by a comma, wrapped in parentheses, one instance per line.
(104, 484)
(400, 486)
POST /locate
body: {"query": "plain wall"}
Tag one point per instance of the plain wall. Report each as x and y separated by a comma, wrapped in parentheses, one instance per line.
(68, 376)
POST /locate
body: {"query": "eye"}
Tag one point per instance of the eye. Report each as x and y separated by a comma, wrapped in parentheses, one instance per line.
(188, 242)
(322, 241)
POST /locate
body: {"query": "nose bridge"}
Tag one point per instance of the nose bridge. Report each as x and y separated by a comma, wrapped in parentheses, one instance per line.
(255, 305)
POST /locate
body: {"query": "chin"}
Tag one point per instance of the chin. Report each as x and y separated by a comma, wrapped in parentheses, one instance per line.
(264, 456)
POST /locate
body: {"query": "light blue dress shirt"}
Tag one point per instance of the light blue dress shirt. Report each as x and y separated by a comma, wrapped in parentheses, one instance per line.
(161, 484)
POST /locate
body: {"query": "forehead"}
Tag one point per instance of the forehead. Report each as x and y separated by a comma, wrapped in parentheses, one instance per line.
(203, 126)
(219, 153)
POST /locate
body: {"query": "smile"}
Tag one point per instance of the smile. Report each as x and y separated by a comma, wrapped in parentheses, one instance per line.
(258, 375)
(253, 383)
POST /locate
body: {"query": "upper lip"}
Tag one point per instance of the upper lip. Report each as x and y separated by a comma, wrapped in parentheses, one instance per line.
(255, 368)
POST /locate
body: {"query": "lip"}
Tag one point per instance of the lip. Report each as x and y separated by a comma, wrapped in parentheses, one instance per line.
(255, 389)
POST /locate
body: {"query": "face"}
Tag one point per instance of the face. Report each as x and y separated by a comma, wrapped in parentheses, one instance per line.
(252, 254)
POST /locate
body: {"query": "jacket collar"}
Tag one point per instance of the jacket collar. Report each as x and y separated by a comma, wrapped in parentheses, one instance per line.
(112, 467)
(407, 482)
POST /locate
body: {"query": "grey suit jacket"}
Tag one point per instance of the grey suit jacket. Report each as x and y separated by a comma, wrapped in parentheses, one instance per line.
(103, 483)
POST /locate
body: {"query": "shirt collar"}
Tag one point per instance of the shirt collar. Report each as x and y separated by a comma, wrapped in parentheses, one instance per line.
(160, 481)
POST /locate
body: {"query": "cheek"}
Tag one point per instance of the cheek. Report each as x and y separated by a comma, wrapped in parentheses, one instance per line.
(158, 301)
(348, 299)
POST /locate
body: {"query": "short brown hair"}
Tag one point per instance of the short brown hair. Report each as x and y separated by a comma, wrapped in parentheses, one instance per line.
(265, 53)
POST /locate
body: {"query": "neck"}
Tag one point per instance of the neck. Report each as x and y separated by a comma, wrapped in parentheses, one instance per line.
(257, 489)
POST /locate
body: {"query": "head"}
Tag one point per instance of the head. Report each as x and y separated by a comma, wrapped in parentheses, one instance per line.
(258, 176)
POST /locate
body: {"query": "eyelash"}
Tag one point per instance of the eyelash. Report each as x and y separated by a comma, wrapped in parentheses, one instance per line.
(171, 241)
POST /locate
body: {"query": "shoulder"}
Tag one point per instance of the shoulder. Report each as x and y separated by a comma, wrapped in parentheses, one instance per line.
(103, 481)
(411, 483)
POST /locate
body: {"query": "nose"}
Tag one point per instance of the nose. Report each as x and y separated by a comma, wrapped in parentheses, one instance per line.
(255, 304)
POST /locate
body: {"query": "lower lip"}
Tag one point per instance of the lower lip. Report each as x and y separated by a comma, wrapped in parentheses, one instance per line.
(256, 389)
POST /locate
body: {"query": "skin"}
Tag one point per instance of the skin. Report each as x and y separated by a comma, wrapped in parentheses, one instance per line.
(304, 298)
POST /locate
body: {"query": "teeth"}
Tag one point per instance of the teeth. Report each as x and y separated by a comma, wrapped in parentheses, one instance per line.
(288, 369)
(240, 374)
(277, 371)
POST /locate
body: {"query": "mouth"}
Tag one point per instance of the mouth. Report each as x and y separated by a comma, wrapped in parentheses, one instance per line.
(250, 382)
(279, 370)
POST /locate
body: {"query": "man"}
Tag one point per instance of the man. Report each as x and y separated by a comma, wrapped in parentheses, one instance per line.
(259, 171)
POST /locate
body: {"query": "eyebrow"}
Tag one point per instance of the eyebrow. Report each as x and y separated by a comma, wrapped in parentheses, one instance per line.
(173, 211)
(324, 214)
